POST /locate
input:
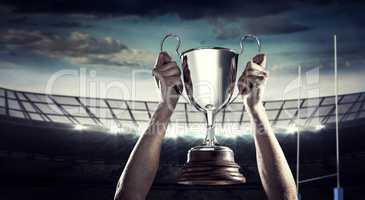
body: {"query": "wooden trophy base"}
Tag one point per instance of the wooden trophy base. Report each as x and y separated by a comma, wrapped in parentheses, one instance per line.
(211, 165)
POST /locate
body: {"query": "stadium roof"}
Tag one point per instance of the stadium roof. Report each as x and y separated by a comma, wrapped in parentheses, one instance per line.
(127, 114)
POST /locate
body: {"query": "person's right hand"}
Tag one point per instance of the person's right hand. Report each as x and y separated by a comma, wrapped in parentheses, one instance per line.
(252, 82)
(167, 75)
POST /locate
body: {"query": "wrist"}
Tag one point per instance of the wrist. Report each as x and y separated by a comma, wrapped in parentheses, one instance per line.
(255, 108)
(168, 105)
(170, 101)
(164, 111)
(259, 120)
(159, 121)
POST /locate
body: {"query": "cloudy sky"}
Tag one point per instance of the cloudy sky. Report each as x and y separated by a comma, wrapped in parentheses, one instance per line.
(108, 48)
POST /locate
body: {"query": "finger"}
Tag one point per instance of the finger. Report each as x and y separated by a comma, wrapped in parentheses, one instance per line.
(167, 66)
(255, 77)
(158, 75)
(253, 66)
(163, 58)
(260, 59)
(255, 73)
(256, 80)
(171, 72)
(253, 69)
(173, 80)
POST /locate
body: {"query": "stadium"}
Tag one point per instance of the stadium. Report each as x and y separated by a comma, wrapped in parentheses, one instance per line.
(76, 147)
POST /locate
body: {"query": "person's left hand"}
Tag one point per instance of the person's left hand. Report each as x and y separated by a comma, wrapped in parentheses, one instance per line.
(167, 75)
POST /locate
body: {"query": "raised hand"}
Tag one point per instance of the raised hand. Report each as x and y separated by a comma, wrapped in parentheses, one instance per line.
(251, 84)
(167, 75)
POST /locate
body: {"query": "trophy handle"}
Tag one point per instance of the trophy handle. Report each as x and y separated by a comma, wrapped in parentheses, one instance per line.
(246, 37)
(169, 35)
(178, 42)
(242, 42)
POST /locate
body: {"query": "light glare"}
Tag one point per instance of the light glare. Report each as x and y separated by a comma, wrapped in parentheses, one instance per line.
(79, 127)
(292, 129)
(319, 127)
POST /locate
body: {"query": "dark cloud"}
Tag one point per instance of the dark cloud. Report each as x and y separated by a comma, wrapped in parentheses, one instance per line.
(76, 47)
(274, 25)
(21, 21)
(266, 25)
(75, 44)
(70, 24)
(187, 9)
(224, 31)
(26, 21)
(18, 20)
(6, 9)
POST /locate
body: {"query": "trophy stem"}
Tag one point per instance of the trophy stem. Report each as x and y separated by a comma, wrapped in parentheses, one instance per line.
(210, 139)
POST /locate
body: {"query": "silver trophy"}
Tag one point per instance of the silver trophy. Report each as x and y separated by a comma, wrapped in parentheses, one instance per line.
(209, 77)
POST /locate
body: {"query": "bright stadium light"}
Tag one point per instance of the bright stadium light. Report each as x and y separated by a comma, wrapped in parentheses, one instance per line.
(319, 127)
(114, 129)
(292, 129)
(79, 127)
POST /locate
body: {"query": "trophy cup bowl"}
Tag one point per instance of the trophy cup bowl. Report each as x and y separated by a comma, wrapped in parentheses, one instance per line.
(209, 78)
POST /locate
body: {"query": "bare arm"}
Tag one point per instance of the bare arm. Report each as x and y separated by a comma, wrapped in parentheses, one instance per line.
(143, 162)
(275, 174)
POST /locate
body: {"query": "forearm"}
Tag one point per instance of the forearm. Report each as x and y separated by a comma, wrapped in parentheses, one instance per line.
(142, 165)
(275, 174)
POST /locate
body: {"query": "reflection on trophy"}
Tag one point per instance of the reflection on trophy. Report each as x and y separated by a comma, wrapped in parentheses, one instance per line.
(209, 77)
